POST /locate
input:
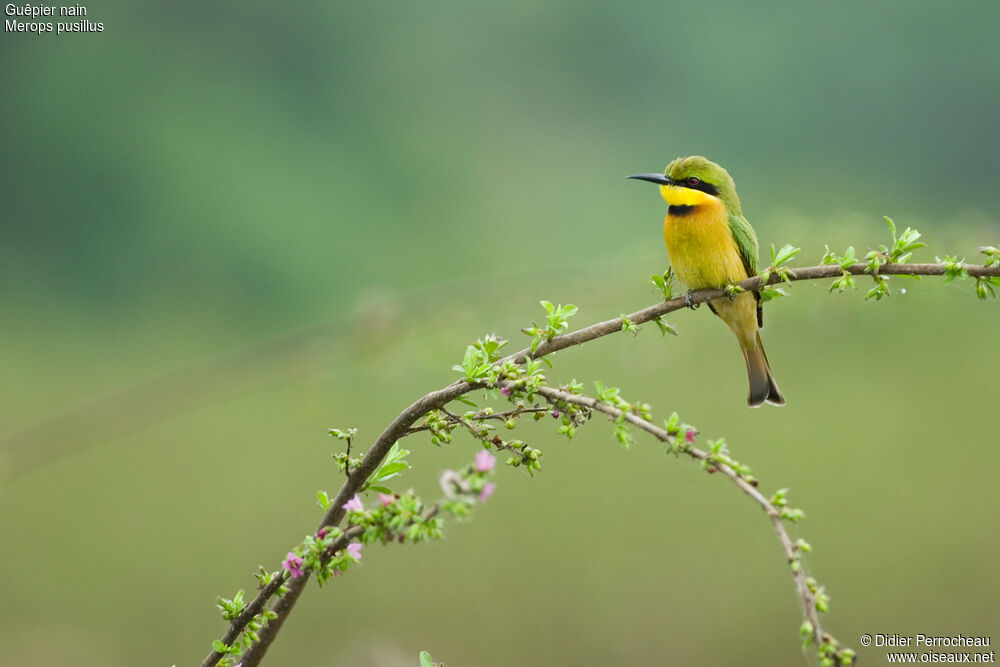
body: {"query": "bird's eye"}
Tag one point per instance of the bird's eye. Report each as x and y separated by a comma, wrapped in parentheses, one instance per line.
(693, 181)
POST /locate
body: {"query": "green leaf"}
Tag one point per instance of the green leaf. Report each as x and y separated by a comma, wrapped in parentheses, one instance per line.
(844, 262)
(771, 293)
(904, 246)
(953, 268)
(843, 282)
(829, 257)
(664, 327)
(849, 258)
(390, 470)
(393, 464)
(892, 226)
(221, 647)
(984, 287)
(426, 660)
(806, 630)
(875, 259)
(623, 436)
(784, 255)
(880, 290)
(671, 424)
(663, 282)
(992, 255)
(323, 499)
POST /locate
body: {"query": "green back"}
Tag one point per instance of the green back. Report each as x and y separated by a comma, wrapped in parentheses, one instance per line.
(746, 243)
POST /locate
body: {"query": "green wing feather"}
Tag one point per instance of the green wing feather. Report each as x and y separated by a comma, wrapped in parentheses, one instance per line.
(746, 244)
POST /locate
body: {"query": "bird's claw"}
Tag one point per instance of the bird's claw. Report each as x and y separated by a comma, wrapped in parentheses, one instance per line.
(688, 301)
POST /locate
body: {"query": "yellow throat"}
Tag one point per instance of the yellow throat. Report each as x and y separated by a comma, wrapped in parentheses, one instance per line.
(701, 246)
(678, 196)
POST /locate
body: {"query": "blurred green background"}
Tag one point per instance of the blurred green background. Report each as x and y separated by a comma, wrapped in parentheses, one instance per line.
(228, 227)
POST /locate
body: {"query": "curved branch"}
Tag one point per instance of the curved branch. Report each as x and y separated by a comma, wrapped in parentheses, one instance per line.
(807, 601)
(402, 424)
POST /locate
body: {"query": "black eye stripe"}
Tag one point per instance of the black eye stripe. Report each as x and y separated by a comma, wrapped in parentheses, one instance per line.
(707, 188)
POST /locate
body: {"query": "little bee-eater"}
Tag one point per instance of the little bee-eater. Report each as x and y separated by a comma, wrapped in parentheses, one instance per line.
(711, 244)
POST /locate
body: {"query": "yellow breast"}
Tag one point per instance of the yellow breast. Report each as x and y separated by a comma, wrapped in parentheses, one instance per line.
(701, 247)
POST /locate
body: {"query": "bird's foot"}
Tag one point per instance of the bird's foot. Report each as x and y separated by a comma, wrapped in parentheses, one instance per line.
(688, 301)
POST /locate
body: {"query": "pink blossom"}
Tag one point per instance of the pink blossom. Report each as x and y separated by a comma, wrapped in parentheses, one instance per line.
(354, 504)
(322, 532)
(485, 461)
(354, 548)
(386, 499)
(505, 391)
(555, 414)
(293, 564)
(487, 491)
(689, 436)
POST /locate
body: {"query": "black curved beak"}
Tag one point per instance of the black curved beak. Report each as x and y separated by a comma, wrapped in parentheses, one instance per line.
(662, 179)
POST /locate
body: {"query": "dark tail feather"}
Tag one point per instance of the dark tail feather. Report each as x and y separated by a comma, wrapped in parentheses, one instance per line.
(762, 385)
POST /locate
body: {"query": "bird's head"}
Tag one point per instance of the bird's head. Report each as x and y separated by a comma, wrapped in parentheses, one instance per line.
(695, 180)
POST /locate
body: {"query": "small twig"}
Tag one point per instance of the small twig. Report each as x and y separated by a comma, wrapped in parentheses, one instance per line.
(476, 431)
(500, 416)
(347, 466)
(494, 440)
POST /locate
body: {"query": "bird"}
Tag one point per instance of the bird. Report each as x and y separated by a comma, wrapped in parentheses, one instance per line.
(711, 245)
